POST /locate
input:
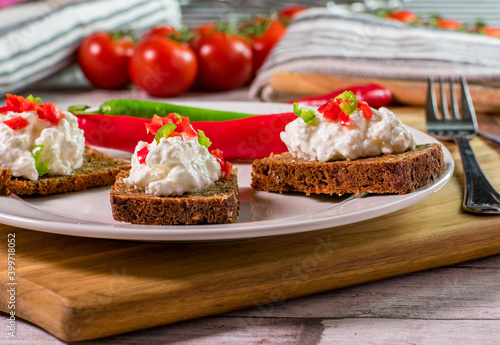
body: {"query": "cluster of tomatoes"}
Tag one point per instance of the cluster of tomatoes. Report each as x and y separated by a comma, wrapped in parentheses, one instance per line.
(434, 20)
(166, 62)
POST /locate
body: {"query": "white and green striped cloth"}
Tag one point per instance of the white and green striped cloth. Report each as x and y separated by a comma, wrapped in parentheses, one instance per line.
(38, 39)
(362, 45)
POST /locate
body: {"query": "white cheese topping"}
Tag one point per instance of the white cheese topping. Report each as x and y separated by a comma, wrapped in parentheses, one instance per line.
(63, 142)
(326, 140)
(173, 167)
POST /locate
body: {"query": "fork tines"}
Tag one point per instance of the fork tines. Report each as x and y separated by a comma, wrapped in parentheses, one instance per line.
(439, 121)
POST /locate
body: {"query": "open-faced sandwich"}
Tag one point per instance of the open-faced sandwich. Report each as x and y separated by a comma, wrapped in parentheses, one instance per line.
(176, 180)
(42, 151)
(345, 146)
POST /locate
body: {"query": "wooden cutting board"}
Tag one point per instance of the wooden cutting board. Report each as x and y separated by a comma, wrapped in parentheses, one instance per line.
(80, 288)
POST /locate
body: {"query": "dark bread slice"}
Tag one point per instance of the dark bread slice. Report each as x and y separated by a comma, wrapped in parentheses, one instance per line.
(219, 203)
(396, 173)
(98, 170)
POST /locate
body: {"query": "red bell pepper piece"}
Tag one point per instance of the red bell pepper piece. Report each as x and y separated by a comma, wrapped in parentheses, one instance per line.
(247, 138)
(375, 95)
(17, 122)
(49, 111)
(19, 104)
(142, 154)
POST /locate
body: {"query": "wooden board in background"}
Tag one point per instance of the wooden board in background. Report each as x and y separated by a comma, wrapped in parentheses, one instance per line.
(293, 85)
(79, 288)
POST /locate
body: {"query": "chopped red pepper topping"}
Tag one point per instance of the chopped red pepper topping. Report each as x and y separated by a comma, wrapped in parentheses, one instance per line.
(142, 154)
(49, 111)
(19, 104)
(225, 167)
(182, 125)
(333, 109)
(365, 108)
(17, 122)
(182, 128)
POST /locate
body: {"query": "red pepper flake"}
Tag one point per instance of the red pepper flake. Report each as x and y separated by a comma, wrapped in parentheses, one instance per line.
(142, 154)
(225, 167)
(17, 123)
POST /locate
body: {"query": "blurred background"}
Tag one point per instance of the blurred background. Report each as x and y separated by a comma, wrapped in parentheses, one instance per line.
(198, 11)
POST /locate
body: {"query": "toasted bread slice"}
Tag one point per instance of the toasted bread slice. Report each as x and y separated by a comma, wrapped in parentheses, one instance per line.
(98, 170)
(396, 173)
(218, 203)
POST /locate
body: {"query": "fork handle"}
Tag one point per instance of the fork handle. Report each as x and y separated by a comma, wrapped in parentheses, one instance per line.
(479, 196)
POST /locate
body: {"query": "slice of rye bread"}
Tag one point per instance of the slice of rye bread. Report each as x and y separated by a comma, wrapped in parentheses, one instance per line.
(98, 170)
(395, 173)
(219, 203)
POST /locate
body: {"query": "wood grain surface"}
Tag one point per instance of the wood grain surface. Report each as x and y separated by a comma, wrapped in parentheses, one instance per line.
(287, 85)
(77, 288)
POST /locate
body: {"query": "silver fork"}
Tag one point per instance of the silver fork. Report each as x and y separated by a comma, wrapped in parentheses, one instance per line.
(479, 195)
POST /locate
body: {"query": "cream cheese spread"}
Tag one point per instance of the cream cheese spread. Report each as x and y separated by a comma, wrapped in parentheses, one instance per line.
(327, 140)
(64, 144)
(173, 166)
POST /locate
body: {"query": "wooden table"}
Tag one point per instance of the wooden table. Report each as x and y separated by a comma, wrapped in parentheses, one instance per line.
(451, 304)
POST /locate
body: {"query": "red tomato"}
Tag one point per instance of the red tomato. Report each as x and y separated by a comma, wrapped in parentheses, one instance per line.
(200, 31)
(290, 11)
(224, 60)
(204, 29)
(262, 44)
(448, 24)
(490, 31)
(160, 30)
(104, 59)
(403, 16)
(163, 67)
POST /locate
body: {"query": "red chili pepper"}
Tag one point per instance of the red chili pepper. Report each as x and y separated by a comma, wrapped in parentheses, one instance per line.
(17, 122)
(116, 132)
(247, 138)
(375, 95)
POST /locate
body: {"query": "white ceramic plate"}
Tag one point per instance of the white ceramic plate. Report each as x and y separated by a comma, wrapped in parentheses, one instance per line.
(88, 213)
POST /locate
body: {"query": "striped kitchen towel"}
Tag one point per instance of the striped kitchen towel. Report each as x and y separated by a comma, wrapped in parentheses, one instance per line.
(361, 45)
(38, 39)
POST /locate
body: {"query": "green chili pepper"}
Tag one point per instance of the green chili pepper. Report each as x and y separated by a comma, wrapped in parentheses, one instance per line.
(33, 99)
(203, 140)
(165, 131)
(146, 110)
(305, 114)
(350, 104)
(41, 167)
